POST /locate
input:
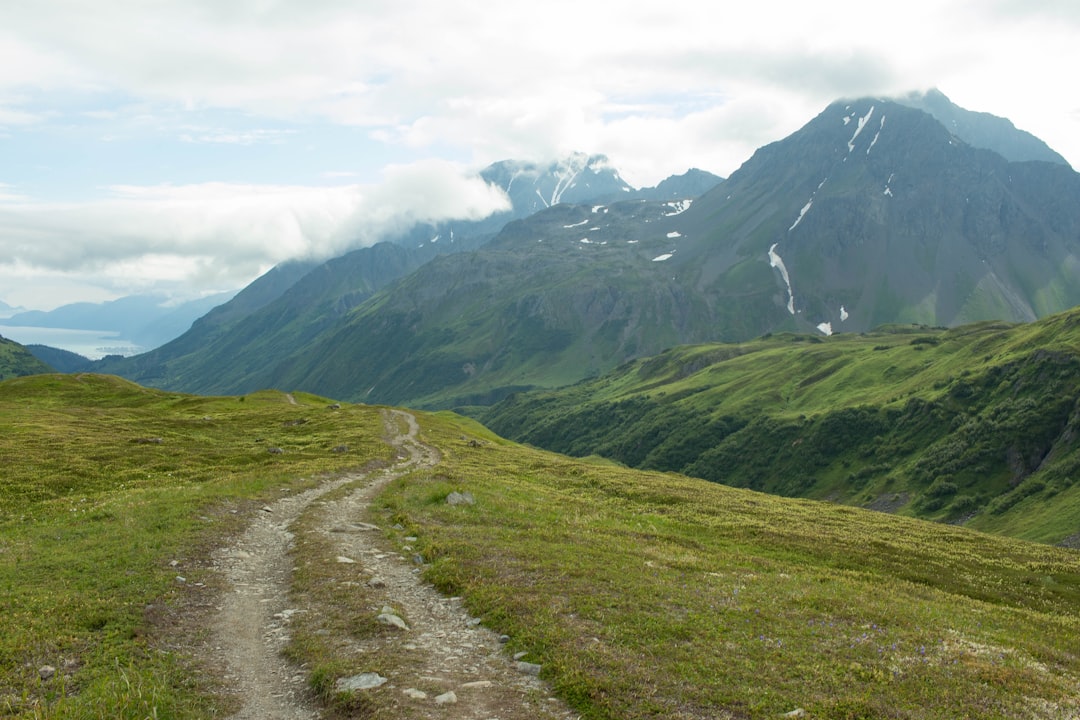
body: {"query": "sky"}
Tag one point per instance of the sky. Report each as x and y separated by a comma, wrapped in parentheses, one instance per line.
(187, 146)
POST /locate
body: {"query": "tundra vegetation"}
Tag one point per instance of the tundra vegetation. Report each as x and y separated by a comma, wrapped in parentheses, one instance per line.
(641, 594)
(978, 424)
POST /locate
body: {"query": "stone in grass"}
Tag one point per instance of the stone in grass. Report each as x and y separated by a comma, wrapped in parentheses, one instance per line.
(447, 698)
(456, 498)
(363, 681)
(796, 713)
(389, 617)
(528, 668)
(46, 672)
(415, 694)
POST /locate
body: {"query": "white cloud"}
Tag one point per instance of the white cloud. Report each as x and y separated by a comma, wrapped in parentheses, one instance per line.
(656, 88)
(217, 236)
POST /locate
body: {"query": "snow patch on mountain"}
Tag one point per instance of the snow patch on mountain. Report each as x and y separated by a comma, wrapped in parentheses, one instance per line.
(843, 314)
(662, 258)
(862, 124)
(876, 135)
(806, 207)
(678, 207)
(674, 234)
(577, 224)
(802, 213)
(825, 328)
(777, 262)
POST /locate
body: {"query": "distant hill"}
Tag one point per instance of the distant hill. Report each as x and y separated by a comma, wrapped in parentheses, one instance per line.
(17, 361)
(7, 311)
(144, 320)
(63, 361)
(978, 425)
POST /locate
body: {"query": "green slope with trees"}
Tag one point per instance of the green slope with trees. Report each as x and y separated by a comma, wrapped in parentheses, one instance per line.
(975, 425)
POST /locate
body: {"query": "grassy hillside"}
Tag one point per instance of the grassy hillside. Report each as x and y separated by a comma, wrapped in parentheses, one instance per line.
(104, 484)
(17, 361)
(648, 595)
(643, 595)
(976, 425)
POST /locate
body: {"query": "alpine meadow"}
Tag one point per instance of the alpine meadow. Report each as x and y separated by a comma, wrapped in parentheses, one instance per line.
(800, 442)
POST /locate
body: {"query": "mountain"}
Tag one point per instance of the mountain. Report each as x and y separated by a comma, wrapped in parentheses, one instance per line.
(875, 213)
(983, 130)
(242, 343)
(17, 361)
(872, 213)
(223, 347)
(7, 311)
(144, 320)
(691, 184)
(977, 425)
(566, 293)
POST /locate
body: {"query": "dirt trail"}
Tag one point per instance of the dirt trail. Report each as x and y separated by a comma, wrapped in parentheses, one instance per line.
(447, 667)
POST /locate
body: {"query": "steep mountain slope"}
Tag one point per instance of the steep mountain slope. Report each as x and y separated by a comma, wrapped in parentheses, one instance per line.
(875, 213)
(979, 424)
(564, 294)
(221, 350)
(17, 361)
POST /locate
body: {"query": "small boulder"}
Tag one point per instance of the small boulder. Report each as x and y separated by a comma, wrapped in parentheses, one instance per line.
(456, 498)
(447, 698)
(528, 668)
(392, 619)
(363, 681)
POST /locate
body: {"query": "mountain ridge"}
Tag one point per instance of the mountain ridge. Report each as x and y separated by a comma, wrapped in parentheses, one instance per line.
(872, 213)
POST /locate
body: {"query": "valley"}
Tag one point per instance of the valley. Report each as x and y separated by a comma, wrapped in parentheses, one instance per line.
(801, 442)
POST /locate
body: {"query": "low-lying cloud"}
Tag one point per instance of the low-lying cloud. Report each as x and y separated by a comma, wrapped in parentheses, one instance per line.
(216, 236)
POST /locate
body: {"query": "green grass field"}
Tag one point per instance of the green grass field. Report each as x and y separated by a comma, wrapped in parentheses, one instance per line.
(105, 484)
(644, 595)
(650, 595)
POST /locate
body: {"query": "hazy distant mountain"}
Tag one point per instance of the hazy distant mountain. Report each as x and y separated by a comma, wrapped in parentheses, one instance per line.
(983, 130)
(691, 184)
(144, 320)
(7, 311)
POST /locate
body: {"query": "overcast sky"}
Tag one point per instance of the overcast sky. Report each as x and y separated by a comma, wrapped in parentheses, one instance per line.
(189, 145)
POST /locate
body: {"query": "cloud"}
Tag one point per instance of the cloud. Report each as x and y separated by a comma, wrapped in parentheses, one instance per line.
(295, 91)
(220, 236)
